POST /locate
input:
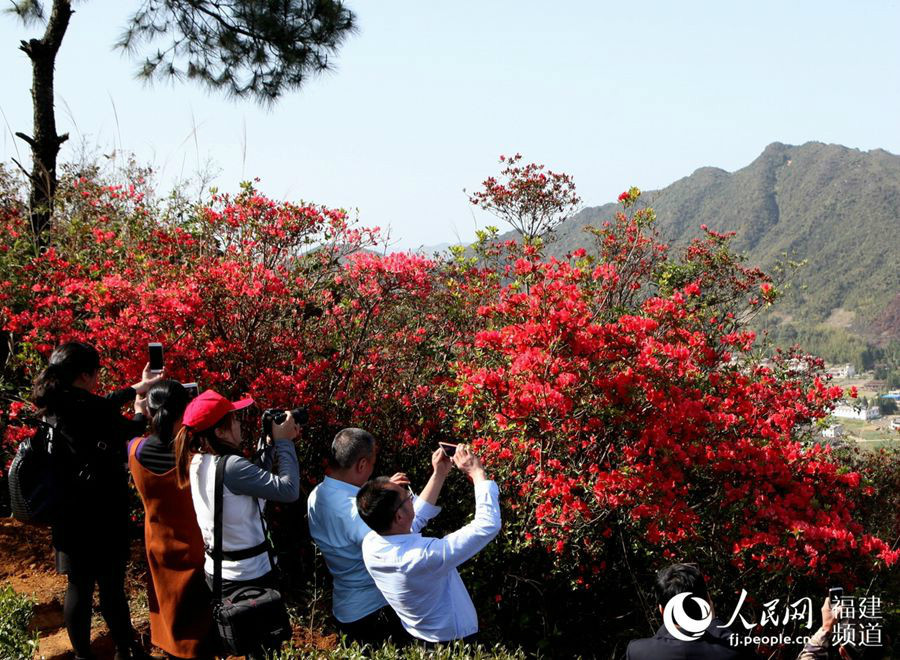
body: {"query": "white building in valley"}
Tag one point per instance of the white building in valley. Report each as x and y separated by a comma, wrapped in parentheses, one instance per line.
(842, 371)
(850, 411)
(834, 431)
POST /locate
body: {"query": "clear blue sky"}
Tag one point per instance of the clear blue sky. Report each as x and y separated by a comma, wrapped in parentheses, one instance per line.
(427, 95)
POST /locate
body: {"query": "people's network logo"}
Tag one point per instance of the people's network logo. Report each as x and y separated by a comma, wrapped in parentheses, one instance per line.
(680, 624)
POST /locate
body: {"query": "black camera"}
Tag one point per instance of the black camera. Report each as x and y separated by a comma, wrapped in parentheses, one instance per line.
(275, 416)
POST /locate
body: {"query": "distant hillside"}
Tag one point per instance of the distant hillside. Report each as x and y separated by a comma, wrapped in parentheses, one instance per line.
(836, 207)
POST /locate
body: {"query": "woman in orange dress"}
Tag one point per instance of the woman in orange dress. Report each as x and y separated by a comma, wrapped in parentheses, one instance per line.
(180, 608)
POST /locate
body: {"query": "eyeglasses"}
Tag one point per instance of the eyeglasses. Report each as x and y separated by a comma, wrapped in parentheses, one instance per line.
(409, 496)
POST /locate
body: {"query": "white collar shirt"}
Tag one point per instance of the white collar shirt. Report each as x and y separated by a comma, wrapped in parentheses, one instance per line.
(418, 577)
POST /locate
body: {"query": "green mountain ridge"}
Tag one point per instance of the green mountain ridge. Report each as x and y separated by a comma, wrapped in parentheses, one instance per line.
(835, 207)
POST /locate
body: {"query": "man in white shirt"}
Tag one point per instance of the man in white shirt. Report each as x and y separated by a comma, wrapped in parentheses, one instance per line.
(417, 575)
(361, 611)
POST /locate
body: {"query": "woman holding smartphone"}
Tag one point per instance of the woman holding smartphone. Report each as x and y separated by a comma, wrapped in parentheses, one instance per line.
(179, 600)
(210, 433)
(90, 532)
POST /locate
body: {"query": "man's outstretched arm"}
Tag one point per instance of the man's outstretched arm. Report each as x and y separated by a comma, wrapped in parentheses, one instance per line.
(425, 505)
(440, 464)
(461, 545)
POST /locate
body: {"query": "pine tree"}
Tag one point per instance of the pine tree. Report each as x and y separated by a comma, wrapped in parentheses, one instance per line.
(245, 48)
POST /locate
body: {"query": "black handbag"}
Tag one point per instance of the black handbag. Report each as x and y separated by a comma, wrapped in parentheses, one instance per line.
(253, 617)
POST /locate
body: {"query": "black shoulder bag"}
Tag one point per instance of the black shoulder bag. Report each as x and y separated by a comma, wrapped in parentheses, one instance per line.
(34, 495)
(252, 617)
(45, 466)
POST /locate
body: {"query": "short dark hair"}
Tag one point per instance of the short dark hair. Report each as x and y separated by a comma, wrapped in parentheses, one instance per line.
(350, 445)
(377, 504)
(678, 578)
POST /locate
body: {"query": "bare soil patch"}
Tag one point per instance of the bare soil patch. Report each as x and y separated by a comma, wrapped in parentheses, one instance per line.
(27, 563)
(840, 318)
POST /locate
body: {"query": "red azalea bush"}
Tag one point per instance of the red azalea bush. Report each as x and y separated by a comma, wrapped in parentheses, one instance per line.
(656, 418)
(627, 411)
(247, 295)
(617, 396)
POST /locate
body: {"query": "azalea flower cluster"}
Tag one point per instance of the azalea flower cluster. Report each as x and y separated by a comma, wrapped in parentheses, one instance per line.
(529, 197)
(248, 296)
(617, 394)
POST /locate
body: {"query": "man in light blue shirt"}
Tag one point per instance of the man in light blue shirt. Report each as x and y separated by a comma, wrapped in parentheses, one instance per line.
(337, 529)
(416, 574)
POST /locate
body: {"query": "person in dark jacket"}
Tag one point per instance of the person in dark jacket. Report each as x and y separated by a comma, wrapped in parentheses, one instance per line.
(713, 644)
(90, 531)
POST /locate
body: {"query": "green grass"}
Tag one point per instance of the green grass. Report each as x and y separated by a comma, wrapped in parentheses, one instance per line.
(16, 641)
(870, 435)
(454, 651)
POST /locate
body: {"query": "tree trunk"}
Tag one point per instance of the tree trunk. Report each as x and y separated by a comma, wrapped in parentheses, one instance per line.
(45, 142)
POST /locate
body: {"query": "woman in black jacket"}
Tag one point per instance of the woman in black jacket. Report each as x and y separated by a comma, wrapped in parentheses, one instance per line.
(90, 532)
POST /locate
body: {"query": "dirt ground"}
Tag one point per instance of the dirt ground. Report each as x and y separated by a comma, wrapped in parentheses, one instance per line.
(26, 563)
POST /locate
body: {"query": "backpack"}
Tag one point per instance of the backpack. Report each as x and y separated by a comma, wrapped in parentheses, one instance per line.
(33, 495)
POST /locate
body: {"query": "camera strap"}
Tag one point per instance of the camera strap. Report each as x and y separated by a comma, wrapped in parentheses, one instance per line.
(238, 555)
(217, 529)
(217, 554)
(267, 542)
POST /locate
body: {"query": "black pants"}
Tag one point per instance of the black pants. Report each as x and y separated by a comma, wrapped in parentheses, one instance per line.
(376, 628)
(110, 579)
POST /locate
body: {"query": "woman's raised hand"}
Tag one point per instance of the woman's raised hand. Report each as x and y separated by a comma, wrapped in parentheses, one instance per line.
(148, 379)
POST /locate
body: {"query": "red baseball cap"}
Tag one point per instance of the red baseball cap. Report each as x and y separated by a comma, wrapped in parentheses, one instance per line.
(208, 408)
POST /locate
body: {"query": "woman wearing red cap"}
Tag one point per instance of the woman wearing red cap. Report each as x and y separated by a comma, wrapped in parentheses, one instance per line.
(211, 432)
(179, 602)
